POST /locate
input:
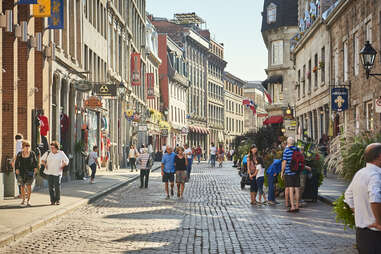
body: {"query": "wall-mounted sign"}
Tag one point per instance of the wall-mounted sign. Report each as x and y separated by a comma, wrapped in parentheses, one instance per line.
(288, 114)
(164, 132)
(135, 69)
(42, 9)
(93, 102)
(339, 99)
(150, 79)
(56, 20)
(105, 89)
(83, 86)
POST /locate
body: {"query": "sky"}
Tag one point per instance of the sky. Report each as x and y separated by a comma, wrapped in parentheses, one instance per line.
(237, 24)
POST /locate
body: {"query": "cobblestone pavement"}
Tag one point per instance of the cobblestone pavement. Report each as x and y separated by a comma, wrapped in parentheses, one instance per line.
(214, 217)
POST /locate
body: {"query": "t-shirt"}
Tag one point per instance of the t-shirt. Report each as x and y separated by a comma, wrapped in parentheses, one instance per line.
(244, 160)
(169, 162)
(213, 150)
(287, 156)
(143, 160)
(188, 152)
(132, 153)
(26, 165)
(261, 171)
(180, 164)
(93, 156)
(54, 162)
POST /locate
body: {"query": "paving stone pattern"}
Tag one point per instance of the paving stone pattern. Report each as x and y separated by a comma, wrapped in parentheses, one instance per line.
(214, 217)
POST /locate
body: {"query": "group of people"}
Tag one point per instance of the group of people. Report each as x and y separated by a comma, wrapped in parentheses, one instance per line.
(26, 166)
(217, 153)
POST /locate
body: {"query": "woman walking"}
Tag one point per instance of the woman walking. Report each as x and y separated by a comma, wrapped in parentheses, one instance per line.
(144, 161)
(221, 154)
(132, 155)
(93, 162)
(181, 164)
(252, 172)
(26, 168)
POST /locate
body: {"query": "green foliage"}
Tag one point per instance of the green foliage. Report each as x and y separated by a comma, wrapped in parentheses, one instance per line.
(344, 213)
(78, 147)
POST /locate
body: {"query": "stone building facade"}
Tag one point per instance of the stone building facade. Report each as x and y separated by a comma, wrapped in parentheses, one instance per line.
(234, 110)
(253, 90)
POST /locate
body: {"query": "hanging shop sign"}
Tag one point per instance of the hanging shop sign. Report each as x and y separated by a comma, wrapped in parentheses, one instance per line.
(150, 78)
(42, 9)
(27, 2)
(93, 102)
(105, 89)
(288, 114)
(83, 86)
(135, 69)
(378, 105)
(339, 99)
(56, 20)
(164, 132)
(142, 128)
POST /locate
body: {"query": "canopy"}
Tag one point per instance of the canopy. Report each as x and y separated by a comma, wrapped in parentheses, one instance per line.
(273, 120)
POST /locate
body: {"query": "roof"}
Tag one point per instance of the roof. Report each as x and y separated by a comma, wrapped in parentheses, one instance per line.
(256, 85)
(234, 79)
(286, 14)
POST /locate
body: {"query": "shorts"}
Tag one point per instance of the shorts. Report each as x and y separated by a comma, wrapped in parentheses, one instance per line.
(292, 181)
(253, 185)
(168, 177)
(181, 176)
(24, 180)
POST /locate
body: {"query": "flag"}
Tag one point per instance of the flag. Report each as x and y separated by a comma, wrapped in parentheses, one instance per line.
(246, 102)
(27, 2)
(150, 78)
(253, 108)
(135, 69)
(268, 97)
(42, 9)
(56, 20)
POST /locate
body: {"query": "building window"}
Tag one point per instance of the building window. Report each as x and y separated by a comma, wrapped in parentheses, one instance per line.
(356, 53)
(298, 84)
(316, 71)
(322, 65)
(368, 32)
(345, 69)
(271, 13)
(369, 115)
(336, 67)
(277, 53)
(304, 80)
(309, 76)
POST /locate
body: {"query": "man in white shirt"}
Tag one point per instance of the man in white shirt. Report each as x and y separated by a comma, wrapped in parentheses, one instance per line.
(189, 155)
(54, 162)
(364, 197)
(213, 151)
(93, 163)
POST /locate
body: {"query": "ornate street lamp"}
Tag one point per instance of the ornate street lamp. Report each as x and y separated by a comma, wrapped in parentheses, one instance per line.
(368, 55)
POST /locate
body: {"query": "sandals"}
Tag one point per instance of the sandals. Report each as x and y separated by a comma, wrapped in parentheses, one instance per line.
(292, 210)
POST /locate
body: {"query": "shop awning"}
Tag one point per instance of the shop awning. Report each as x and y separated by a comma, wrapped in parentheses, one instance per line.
(273, 120)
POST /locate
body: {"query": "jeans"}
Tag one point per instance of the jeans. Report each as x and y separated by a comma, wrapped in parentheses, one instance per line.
(199, 158)
(144, 175)
(271, 194)
(213, 160)
(54, 183)
(132, 163)
(93, 170)
(260, 181)
(189, 167)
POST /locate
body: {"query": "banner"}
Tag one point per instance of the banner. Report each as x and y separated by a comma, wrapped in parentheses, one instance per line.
(339, 99)
(42, 9)
(56, 20)
(105, 90)
(150, 77)
(135, 69)
(27, 2)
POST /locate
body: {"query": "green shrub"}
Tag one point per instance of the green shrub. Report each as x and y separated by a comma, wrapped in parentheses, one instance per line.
(344, 213)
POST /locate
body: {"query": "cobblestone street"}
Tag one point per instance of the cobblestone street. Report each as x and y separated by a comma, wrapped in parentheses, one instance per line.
(214, 217)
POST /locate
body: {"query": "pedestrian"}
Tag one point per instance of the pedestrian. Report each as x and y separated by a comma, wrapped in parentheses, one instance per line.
(145, 163)
(364, 197)
(231, 154)
(189, 156)
(198, 153)
(272, 174)
(221, 155)
(252, 172)
(26, 168)
(132, 155)
(18, 138)
(260, 178)
(291, 179)
(150, 149)
(54, 161)
(93, 163)
(181, 166)
(213, 151)
(168, 170)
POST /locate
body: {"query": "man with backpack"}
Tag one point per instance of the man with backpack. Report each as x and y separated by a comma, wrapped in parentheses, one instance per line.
(292, 165)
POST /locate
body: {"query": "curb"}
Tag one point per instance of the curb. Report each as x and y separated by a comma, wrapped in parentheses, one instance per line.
(26, 229)
(326, 200)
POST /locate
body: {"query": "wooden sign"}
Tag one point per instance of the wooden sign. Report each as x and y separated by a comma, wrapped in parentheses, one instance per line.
(93, 102)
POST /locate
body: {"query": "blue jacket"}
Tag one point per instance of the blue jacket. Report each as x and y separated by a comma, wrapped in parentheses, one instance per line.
(275, 167)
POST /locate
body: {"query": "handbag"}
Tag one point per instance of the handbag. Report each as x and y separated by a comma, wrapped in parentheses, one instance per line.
(42, 168)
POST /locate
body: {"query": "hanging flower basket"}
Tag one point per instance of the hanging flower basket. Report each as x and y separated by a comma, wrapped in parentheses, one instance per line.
(315, 69)
(321, 65)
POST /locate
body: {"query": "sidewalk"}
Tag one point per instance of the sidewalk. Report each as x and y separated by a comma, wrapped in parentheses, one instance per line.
(332, 188)
(16, 221)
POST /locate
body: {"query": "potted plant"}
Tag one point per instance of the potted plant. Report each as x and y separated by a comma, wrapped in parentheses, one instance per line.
(315, 69)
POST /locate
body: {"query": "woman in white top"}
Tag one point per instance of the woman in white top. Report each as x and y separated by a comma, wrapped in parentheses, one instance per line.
(54, 162)
(260, 179)
(132, 156)
(93, 162)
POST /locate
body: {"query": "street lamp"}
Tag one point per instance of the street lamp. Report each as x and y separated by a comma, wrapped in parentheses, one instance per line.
(368, 55)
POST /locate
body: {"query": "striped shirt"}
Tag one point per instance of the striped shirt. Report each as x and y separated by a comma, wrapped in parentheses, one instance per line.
(287, 156)
(142, 160)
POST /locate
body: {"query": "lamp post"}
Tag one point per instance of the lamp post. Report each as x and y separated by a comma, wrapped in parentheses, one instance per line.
(368, 55)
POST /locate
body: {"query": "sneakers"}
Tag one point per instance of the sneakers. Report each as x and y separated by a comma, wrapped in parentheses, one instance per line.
(22, 203)
(172, 193)
(167, 197)
(57, 202)
(28, 204)
(178, 194)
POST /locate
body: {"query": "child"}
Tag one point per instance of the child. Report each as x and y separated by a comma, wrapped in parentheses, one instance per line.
(260, 180)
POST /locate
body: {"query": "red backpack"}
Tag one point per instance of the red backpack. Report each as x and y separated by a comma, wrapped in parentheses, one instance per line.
(297, 162)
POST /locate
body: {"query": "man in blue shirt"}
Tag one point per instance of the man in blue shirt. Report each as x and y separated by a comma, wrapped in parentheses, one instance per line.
(291, 179)
(168, 170)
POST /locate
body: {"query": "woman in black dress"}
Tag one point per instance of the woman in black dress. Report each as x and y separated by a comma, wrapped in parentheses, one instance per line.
(181, 171)
(26, 168)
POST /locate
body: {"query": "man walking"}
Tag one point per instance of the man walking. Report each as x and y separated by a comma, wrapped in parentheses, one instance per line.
(213, 151)
(168, 170)
(292, 179)
(189, 156)
(364, 197)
